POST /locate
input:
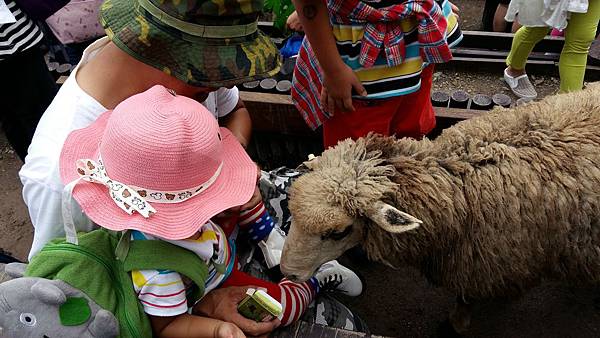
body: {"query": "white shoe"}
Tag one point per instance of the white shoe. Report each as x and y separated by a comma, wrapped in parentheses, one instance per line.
(332, 276)
(272, 247)
(520, 85)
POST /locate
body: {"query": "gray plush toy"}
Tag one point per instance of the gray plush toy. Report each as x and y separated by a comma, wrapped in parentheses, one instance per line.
(38, 307)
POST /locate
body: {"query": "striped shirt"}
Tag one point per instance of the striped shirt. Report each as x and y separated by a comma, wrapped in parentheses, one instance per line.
(20, 35)
(380, 80)
(165, 293)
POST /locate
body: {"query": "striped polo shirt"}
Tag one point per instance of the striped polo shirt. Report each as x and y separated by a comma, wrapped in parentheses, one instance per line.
(20, 35)
(382, 81)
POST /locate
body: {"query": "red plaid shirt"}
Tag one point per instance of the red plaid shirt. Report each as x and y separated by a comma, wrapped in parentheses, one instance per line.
(382, 30)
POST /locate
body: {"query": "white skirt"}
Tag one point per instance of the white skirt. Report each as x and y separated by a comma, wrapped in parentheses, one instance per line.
(544, 13)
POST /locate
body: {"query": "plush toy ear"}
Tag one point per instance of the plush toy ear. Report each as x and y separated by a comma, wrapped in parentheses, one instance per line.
(105, 325)
(391, 219)
(48, 293)
(15, 270)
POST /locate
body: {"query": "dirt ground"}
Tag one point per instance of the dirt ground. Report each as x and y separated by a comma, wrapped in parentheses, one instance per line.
(398, 302)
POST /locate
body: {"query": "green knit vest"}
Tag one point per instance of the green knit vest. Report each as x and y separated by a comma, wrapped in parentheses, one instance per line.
(93, 267)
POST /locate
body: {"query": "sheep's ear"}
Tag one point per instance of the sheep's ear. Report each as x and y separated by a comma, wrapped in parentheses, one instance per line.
(391, 219)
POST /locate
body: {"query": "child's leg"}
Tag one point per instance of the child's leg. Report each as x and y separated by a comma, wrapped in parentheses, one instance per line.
(579, 35)
(294, 297)
(525, 39)
(414, 115)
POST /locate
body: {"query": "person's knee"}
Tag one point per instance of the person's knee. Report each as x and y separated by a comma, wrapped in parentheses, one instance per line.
(579, 42)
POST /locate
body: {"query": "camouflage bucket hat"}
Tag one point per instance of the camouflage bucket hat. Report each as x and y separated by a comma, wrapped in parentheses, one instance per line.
(212, 43)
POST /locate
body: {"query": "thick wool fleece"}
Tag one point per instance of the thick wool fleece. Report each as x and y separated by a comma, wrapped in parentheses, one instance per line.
(506, 199)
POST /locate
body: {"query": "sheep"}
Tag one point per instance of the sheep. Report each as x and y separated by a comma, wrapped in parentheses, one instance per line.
(491, 207)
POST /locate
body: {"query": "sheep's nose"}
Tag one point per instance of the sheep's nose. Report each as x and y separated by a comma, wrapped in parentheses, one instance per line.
(293, 278)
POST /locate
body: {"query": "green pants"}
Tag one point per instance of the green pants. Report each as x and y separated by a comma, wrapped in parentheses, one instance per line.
(579, 35)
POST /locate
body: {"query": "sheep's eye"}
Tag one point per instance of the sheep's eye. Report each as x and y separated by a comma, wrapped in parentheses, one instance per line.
(337, 235)
(27, 319)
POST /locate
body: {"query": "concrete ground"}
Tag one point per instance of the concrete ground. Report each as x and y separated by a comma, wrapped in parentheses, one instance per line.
(396, 302)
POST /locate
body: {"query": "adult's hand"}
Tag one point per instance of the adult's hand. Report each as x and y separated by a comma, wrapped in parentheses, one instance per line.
(222, 304)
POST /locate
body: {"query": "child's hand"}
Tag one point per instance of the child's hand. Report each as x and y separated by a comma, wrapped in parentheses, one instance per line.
(228, 330)
(293, 22)
(337, 90)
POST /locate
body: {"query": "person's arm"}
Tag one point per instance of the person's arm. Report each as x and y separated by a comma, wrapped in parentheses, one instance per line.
(222, 304)
(339, 79)
(190, 326)
(239, 123)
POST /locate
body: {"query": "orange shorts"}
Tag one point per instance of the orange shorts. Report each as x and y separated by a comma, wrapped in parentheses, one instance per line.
(409, 115)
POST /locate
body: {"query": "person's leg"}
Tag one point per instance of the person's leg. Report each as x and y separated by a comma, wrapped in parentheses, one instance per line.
(414, 115)
(499, 24)
(29, 90)
(514, 75)
(525, 39)
(515, 25)
(579, 35)
(369, 116)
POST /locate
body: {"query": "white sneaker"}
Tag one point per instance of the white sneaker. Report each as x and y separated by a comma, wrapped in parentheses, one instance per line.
(332, 276)
(520, 85)
(272, 247)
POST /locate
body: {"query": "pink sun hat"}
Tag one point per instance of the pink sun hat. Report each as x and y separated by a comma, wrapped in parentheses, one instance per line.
(157, 163)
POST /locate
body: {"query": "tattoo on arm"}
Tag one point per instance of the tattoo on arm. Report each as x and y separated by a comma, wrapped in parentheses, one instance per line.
(309, 11)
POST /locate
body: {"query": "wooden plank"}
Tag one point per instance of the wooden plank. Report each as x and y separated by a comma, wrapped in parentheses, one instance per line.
(503, 41)
(457, 113)
(533, 66)
(483, 53)
(265, 98)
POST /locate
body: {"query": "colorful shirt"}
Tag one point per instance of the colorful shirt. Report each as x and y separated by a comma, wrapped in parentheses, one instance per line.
(386, 44)
(164, 293)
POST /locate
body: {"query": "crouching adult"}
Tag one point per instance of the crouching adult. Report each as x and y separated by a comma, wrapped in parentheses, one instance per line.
(199, 49)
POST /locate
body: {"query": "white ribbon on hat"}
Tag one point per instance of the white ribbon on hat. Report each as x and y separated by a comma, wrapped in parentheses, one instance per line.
(129, 198)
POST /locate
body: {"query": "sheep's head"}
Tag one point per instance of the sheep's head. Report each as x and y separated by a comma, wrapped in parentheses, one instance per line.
(335, 203)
